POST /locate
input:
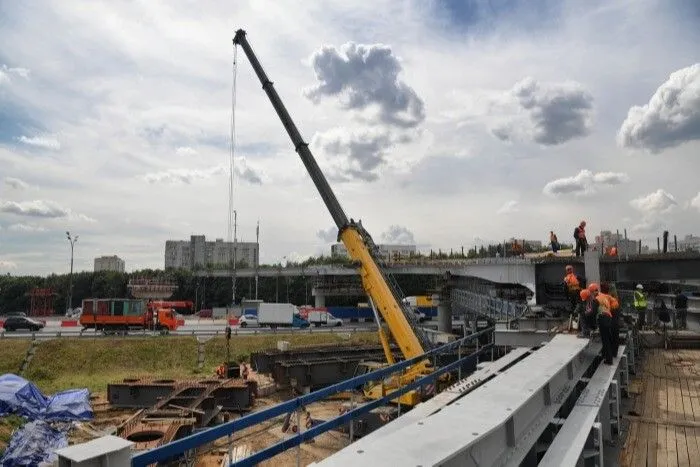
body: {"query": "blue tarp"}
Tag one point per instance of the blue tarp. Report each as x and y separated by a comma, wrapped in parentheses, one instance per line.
(19, 396)
(34, 443)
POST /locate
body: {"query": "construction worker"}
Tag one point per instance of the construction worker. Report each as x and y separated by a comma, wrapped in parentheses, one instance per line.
(580, 239)
(221, 371)
(585, 309)
(605, 291)
(604, 322)
(640, 304)
(554, 242)
(681, 304)
(573, 287)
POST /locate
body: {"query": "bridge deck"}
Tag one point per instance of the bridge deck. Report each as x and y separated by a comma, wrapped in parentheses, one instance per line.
(665, 425)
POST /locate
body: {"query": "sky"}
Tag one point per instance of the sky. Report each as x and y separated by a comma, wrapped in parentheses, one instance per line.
(441, 123)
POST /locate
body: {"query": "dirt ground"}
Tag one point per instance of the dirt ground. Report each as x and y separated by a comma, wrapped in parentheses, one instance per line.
(246, 442)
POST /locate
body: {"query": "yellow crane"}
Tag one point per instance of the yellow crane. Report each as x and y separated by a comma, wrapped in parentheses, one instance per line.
(380, 287)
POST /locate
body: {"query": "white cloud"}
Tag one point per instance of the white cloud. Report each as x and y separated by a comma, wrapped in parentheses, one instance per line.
(671, 118)
(584, 183)
(186, 151)
(656, 202)
(365, 77)
(36, 208)
(7, 264)
(7, 72)
(26, 228)
(398, 235)
(46, 142)
(695, 202)
(357, 154)
(16, 183)
(188, 176)
(555, 112)
(509, 207)
(329, 235)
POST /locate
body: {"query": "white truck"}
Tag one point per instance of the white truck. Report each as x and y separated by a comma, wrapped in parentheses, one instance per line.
(323, 318)
(280, 314)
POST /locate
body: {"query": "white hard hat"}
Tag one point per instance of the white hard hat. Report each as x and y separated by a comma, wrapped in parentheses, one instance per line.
(639, 287)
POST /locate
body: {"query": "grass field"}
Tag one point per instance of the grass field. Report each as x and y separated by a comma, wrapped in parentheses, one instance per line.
(92, 363)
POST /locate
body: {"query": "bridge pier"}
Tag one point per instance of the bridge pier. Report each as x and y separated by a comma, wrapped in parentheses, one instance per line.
(444, 311)
(591, 264)
(319, 298)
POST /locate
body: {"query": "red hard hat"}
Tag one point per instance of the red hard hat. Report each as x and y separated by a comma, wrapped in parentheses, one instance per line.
(585, 294)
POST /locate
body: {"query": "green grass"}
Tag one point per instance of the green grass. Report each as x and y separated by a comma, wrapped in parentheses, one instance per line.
(12, 354)
(7, 426)
(67, 363)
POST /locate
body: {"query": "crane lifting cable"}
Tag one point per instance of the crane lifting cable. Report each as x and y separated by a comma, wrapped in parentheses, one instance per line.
(232, 221)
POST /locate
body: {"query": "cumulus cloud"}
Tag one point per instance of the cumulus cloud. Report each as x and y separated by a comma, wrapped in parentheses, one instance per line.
(695, 202)
(398, 235)
(188, 176)
(671, 118)
(366, 77)
(7, 264)
(15, 183)
(46, 142)
(36, 208)
(508, 207)
(356, 154)
(26, 228)
(584, 183)
(329, 235)
(656, 202)
(556, 112)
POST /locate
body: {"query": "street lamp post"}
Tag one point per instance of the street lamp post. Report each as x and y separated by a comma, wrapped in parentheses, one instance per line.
(72, 241)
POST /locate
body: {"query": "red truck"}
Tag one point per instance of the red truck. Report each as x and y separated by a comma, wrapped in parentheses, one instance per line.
(120, 314)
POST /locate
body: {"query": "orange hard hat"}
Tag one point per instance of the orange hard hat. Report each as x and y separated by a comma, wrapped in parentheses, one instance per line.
(594, 287)
(585, 294)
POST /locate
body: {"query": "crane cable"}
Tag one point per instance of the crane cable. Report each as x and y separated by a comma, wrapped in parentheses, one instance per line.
(232, 142)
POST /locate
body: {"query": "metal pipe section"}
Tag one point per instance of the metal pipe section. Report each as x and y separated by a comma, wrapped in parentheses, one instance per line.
(301, 147)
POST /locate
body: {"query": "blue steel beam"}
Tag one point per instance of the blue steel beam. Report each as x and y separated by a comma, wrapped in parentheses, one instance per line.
(212, 434)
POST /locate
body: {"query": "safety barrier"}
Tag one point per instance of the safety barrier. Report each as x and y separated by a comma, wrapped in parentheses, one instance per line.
(484, 305)
(183, 445)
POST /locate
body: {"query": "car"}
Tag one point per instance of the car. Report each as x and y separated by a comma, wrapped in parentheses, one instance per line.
(13, 323)
(247, 320)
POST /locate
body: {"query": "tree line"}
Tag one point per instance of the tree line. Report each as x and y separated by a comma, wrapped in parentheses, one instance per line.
(206, 292)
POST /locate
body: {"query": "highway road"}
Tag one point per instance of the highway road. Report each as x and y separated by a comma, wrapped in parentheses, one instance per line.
(189, 329)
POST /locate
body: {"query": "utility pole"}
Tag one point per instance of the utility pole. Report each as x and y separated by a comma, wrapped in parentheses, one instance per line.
(70, 277)
(257, 256)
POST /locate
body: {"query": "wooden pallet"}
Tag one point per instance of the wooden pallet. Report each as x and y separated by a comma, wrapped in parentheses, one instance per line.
(665, 424)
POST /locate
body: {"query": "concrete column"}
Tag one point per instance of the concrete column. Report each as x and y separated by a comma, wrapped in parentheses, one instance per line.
(319, 298)
(591, 262)
(444, 310)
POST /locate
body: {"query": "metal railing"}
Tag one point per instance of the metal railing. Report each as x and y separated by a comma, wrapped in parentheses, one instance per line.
(484, 305)
(179, 447)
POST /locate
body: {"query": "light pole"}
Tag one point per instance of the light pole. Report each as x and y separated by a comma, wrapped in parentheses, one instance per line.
(72, 241)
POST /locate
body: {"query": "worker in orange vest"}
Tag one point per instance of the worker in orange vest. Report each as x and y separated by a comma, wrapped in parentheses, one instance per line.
(573, 287)
(221, 371)
(605, 290)
(605, 317)
(587, 312)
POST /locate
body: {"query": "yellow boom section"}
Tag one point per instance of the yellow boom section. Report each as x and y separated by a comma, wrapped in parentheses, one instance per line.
(377, 288)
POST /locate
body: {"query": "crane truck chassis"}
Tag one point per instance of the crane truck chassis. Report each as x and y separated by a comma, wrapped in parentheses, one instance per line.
(382, 290)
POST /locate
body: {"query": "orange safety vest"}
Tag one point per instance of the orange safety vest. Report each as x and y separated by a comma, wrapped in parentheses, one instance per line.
(606, 304)
(572, 282)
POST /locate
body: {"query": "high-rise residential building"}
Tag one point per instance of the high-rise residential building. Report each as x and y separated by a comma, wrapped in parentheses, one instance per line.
(388, 252)
(109, 263)
(197, 252)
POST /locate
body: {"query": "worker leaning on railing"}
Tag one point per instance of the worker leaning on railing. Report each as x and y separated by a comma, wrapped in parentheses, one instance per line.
(640, 304)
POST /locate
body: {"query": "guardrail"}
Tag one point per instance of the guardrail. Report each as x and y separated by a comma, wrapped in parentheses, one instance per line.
(491, 307)
(183, 445)
(203, 333)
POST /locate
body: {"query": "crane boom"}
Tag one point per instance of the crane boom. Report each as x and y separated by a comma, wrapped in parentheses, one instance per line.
(357, 240)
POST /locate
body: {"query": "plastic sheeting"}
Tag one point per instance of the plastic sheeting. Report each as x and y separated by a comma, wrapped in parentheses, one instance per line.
(34, 444)
(19, 396)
